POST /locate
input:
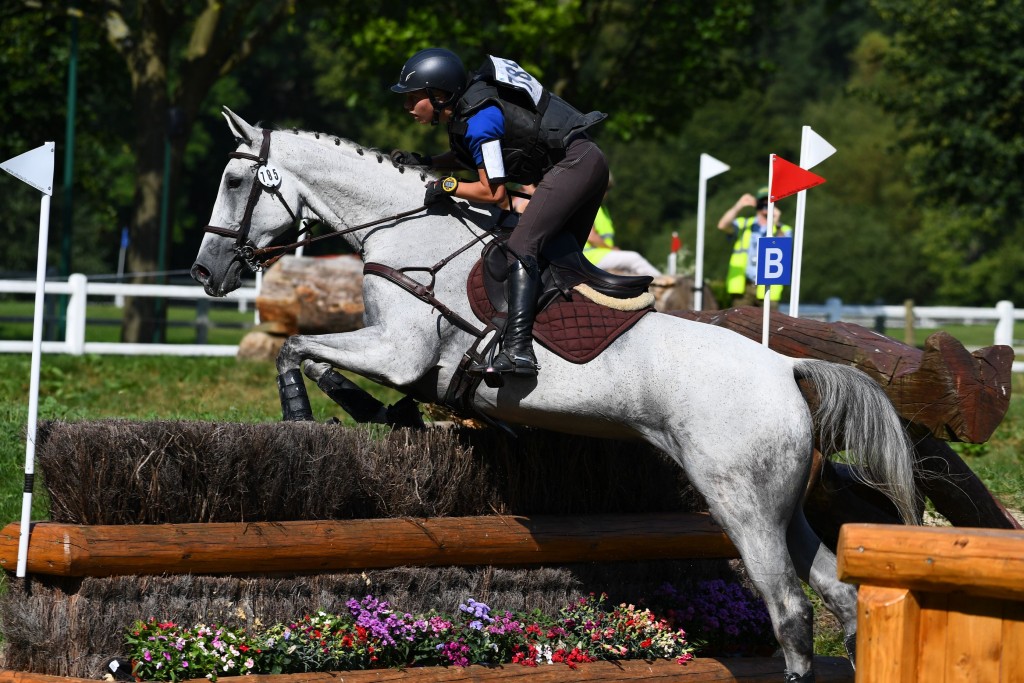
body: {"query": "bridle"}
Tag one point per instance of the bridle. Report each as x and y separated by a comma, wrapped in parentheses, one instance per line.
(267, 180)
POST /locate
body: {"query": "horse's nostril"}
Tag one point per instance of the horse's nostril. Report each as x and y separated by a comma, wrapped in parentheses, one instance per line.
(200, 274)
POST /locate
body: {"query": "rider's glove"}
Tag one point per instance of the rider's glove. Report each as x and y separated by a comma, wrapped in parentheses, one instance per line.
(438, 190)
(404, 158)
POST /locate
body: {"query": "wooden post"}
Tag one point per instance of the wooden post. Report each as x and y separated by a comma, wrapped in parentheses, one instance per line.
(936, 604)
(887, 634)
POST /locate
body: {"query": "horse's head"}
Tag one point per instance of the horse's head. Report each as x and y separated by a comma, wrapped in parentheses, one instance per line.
(255, 204)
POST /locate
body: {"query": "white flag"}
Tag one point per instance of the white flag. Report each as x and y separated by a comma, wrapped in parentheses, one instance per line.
(34, 167)
(814, 150)
(710, 167)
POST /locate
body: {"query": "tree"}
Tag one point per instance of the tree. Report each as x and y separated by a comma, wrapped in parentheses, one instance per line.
(173, 53)
(34, 110)
(957, 85)
(647, 64)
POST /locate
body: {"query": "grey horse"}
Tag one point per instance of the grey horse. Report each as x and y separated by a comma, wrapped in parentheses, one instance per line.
(728, 410)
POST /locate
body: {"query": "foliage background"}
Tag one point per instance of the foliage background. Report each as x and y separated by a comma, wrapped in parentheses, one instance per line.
(920, 97)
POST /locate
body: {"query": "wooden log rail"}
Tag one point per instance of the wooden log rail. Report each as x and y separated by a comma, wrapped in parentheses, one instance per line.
(944, 389)
(936, 604)
(227, 548)
(739, 670)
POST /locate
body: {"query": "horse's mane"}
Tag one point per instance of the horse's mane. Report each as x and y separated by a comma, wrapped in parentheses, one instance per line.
(329, 140)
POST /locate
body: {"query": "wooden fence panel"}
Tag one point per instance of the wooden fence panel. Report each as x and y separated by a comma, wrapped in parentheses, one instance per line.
(936, 605)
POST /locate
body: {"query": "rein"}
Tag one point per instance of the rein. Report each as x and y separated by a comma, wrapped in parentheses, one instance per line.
(268, 181)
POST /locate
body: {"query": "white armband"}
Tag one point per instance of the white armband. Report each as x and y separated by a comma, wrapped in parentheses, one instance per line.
(494, 163)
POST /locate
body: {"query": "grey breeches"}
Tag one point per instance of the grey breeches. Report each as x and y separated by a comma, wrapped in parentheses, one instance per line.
(566, 199)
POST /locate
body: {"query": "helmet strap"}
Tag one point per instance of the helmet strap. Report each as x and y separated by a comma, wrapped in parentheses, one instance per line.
(437, 105)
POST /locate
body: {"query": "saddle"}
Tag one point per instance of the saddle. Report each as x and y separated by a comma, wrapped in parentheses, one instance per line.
(581, 309)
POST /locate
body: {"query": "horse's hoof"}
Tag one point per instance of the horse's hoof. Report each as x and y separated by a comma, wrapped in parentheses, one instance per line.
(851, 647)
(404, 414)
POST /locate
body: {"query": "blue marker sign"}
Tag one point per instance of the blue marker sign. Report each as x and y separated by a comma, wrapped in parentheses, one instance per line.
(774, 260)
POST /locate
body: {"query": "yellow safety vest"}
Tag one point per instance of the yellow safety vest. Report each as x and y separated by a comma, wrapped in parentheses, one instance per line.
(603, 226)
(736, 279)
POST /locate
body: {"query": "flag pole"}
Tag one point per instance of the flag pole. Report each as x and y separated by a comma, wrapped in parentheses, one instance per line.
(34, 167)
(709, 168)
(698, 270)
(798, 231)
(769, 233)
(33, 391)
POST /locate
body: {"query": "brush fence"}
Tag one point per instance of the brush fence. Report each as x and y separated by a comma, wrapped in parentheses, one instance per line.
(238, 524)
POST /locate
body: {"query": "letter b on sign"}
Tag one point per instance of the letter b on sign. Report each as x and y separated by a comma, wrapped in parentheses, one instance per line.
(774, 260)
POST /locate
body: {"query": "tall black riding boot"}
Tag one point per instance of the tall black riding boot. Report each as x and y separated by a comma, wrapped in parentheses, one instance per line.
(516, 356)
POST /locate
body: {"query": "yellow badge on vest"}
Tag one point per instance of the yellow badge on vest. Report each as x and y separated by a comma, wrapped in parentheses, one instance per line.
(450, 184)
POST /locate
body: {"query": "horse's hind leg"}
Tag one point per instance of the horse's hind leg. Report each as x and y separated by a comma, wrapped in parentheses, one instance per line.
(753, 484)
(762, 546)
(816, 565)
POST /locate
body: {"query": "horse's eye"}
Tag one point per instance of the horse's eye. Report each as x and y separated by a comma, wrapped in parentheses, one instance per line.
(234, 183)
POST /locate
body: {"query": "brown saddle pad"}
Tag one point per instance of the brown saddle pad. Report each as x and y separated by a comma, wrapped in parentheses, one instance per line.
(577, 329)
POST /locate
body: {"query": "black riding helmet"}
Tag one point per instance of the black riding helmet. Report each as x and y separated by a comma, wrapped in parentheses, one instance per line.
(433, 69)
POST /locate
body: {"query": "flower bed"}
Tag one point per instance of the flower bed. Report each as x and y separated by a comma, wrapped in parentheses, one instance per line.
(372, 635)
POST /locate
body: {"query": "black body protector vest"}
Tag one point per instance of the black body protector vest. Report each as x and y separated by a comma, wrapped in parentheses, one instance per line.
(538, 125)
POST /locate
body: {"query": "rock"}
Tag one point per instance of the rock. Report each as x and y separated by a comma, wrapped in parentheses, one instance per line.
(303, 295)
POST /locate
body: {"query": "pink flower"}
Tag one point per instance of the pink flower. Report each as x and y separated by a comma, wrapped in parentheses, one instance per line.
(148, 657)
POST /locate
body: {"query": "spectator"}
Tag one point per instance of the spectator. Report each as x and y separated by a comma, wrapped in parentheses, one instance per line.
(746, 231)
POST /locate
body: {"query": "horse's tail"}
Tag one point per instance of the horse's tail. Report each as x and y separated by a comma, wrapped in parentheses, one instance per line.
(855, 415)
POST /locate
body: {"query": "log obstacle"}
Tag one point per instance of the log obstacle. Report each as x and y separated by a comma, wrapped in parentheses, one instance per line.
(739, 670)
(304, 546)
(942, 391)
(943, 388)
(936, 604)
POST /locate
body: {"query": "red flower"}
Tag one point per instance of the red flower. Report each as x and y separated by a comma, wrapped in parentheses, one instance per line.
(243, 648)
(646, 643)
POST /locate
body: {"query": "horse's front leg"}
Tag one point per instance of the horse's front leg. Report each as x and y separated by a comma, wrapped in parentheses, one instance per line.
(370, 352)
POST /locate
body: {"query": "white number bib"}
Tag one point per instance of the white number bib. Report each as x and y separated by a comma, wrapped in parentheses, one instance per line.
(508, 72)
(268, 176)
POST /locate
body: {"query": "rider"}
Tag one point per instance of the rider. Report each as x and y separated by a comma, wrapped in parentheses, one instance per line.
(509, 128)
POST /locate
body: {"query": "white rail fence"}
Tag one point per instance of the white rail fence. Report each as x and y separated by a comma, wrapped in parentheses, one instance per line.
(79, 289)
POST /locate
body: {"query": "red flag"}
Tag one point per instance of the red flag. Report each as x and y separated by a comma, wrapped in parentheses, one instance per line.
(788, 178)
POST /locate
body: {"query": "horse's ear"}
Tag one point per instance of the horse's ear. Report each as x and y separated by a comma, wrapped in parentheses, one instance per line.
(239, 128)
